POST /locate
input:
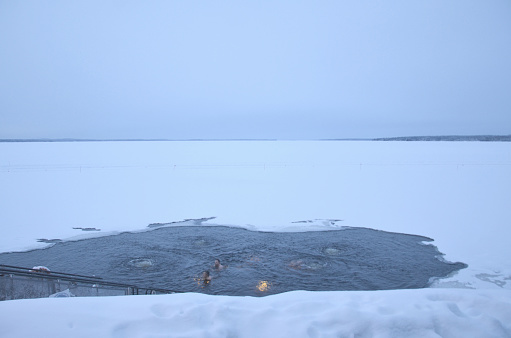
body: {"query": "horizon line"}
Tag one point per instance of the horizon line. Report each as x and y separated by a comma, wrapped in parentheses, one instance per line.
(424, 137)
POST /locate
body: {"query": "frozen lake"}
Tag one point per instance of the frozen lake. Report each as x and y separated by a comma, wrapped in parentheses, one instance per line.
(457, 193)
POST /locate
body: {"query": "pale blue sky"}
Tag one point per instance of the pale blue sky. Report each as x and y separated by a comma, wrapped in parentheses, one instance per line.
(254, 69)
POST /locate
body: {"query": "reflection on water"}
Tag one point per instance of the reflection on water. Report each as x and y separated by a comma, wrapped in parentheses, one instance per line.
(255, 263)
(263, 286)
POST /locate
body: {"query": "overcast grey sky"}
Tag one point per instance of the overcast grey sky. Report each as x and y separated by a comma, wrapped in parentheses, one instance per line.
(254, 69)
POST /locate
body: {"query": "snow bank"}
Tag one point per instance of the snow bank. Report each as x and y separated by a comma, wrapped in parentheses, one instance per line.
(396, 313)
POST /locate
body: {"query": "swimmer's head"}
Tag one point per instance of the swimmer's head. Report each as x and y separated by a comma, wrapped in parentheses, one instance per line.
(217, 263)
(206, 277)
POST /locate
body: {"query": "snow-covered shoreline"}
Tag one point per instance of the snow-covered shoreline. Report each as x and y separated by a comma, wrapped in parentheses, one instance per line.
(456, 193)
(393, 313)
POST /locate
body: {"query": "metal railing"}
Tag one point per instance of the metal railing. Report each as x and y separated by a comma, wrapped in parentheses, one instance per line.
(20, 283)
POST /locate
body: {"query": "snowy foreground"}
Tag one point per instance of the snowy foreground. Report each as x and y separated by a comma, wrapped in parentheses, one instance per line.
(457, 193)
(403, 313)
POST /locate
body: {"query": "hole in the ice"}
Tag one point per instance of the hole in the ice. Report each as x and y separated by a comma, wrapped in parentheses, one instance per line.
(254, 263)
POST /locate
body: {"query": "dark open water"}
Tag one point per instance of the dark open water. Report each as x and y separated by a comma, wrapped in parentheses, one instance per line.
(258, 263)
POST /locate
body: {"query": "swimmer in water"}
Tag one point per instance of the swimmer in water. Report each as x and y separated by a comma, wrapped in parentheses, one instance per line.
(296, 264)
(218, 266)
(206, 278)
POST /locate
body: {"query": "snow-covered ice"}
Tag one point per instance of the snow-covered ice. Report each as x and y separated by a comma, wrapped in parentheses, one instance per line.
(457, 193)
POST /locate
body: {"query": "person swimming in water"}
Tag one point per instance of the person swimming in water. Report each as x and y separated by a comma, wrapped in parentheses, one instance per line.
(218, 265)
(296, 264)
(206, 278)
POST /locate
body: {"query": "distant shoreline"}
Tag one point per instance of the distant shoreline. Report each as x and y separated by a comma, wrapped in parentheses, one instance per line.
(450, 138)
(472, 138)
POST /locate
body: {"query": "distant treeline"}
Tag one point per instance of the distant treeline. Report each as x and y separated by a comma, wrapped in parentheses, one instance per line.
(482, 138)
